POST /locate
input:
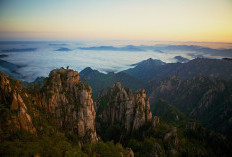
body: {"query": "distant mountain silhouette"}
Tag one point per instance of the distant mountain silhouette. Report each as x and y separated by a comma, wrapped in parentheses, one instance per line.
(2, 56)
(191, 49)
(194, 48)
(150, 69)
(112, 48)
(98, 80)
(181, 59)
(57, 44)
(9, 69)
(19, 50)
(63, 49)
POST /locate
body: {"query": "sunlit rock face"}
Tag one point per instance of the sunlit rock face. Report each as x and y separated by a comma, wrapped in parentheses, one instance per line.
(63, 95)
(10, 97)
(118, 105)
(70, 100)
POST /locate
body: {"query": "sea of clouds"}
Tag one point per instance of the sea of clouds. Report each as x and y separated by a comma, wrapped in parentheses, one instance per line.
(37, 59)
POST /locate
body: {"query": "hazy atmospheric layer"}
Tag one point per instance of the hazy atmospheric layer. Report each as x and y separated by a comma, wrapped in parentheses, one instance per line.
(39, 58)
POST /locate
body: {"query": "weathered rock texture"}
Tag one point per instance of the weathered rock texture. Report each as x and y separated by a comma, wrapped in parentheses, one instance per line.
(70, 100)
(119, 105)
(203, 98)
(10, 97)
(63, 95)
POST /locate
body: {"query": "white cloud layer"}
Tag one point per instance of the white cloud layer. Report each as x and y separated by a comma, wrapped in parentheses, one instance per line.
(46, 58)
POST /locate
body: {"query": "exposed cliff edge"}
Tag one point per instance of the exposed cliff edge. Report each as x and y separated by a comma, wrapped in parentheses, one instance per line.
(63, 95)
(118, 106)
(11, 98)
(70, 100)
(57, 119)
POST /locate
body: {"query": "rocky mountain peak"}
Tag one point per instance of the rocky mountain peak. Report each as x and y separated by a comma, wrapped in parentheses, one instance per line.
(64, 77)
(5, 85)
(150, 62)
(141, 93)
(10, 96)
(142, 110)
(71, 102)
(120, 106)
(87, 70)
(117, 85)
(63, 95)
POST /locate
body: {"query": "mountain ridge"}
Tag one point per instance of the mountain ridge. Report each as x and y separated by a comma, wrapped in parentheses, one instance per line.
(205, 98)
(98, 81)
(63, 115)
(197, 67)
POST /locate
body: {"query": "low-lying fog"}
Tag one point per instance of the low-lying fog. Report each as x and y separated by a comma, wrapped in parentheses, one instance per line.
(39, 58)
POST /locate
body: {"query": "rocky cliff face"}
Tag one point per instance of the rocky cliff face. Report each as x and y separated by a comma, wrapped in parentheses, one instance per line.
(119, 105)
(63, 95)
(70, 100)
(203, 98)
(11, 98)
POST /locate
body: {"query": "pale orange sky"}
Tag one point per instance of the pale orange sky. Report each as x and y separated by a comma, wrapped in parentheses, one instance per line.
(168, 20)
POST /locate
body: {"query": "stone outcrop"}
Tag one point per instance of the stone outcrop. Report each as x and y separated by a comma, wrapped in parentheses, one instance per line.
(10, 97)
(203, 98)
(70, 100)
(142, 109)
(155, 121)
(118, 105)
(63, 95)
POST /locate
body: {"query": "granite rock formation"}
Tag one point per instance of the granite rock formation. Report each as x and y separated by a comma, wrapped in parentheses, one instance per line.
(118, 105)
(70, 100)
(11, 98)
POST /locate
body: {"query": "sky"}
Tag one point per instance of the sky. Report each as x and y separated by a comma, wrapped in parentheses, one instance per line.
(161, 20)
